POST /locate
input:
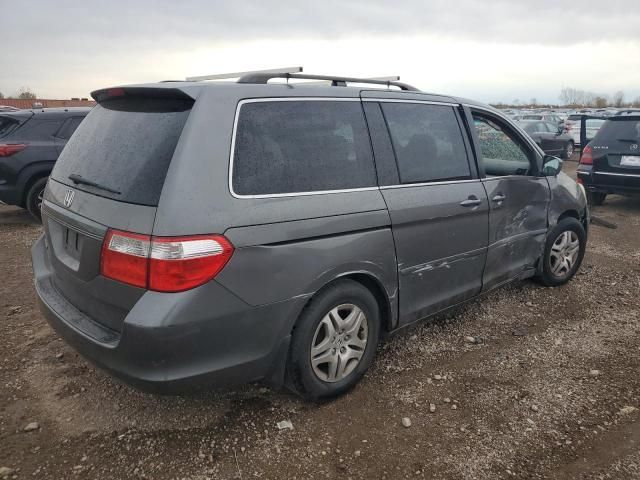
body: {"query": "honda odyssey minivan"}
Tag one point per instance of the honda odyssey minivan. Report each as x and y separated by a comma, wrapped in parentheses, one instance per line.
(210, 233)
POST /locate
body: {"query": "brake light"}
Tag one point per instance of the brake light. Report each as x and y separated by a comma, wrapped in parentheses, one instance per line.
(587, 156)
(163, 264)
(182, 263)
(125, 257)
(8, 149)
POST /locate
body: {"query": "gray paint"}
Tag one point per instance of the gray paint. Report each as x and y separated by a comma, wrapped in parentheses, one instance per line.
(422, 249)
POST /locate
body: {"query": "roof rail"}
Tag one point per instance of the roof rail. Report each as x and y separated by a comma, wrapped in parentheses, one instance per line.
(335, 81)
(221, 76)
(391, 78)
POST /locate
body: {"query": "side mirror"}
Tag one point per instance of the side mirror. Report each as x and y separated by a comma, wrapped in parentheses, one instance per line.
(560, 130)
(551, 166)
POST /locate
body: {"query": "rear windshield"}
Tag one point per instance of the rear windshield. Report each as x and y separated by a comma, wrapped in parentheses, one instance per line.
(532, 117)
(8, 125)
(574, 117)
(619, 131)
(125, 145)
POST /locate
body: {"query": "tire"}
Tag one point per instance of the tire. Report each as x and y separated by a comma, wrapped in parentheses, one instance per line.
(318, 380)
(33, 201)
(596, 198)
(556, 268)
(568, 150)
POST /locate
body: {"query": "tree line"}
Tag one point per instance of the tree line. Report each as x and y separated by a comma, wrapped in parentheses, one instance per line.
(577, 98)
(25, 93)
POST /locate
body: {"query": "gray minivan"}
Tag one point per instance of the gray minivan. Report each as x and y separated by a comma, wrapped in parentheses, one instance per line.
(209, 233)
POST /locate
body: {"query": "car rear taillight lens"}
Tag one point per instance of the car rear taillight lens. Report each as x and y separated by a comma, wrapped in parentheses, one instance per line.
(182, 263)
(587, 156)
(125, 257)
(8, 149)
(163, 264)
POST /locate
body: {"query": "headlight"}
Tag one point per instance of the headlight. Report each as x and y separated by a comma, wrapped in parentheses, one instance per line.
(584, 192)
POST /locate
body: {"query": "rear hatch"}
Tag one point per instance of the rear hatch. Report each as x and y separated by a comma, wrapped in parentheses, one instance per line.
(109, 176)
(616, 152)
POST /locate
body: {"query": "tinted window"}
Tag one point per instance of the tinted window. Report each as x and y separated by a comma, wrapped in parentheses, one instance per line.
(7, 125)
(619, 133)
(502, 153)
(301, 146)
(427, 141)
(125, 145)
(69, 127)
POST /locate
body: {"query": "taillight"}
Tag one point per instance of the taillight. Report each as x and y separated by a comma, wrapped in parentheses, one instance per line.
(8, 149)
(587, 156)
(182, 263)
(125, 257)
(163, 264)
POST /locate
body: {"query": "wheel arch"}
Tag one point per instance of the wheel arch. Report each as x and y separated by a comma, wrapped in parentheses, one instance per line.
(371, 283)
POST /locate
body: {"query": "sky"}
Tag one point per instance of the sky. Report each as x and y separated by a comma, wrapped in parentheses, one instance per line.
(487, 50)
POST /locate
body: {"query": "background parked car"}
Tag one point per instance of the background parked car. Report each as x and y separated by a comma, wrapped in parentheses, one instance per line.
(610, 163)
(550, 137)
(30, 142)
(8, 108)
(573, 126)
(544, 117)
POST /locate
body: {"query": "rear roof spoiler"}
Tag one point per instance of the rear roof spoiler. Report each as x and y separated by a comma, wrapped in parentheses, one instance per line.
(148, 92)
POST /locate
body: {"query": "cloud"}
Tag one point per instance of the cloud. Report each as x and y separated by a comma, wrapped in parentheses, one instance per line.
(487, 49)
(142, 22)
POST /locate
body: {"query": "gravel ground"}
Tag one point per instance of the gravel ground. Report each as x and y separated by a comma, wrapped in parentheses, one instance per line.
(549, 389)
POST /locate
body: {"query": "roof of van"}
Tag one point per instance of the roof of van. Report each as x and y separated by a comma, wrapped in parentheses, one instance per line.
(194, 88)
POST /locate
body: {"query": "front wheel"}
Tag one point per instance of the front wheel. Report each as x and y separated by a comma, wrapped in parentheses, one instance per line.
(35, 195)
(334, 341)
(563, 252)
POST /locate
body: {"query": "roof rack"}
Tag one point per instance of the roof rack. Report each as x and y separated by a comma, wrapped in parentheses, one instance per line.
(222, 76)
(264, 77)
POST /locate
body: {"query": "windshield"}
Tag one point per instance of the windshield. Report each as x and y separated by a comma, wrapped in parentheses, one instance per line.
(122, 150)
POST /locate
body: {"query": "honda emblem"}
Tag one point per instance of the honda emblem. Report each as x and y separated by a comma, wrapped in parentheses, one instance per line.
(68, 198)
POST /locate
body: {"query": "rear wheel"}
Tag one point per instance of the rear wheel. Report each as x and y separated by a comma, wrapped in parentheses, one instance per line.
(563, 252)
(35, 195)
(596, 198)
(334, 341)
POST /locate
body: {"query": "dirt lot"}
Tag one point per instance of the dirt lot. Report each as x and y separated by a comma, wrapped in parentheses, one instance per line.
(547, 394)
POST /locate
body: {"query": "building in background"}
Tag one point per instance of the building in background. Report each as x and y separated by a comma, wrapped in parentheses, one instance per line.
(46, 103)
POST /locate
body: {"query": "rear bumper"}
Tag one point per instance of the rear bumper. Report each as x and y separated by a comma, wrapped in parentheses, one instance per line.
(170, 343)
(608, 182)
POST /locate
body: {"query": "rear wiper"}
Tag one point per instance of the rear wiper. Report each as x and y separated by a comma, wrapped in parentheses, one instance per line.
(77, 179)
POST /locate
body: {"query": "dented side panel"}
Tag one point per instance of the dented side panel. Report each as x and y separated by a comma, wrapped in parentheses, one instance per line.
(517, 226)
(440, 244)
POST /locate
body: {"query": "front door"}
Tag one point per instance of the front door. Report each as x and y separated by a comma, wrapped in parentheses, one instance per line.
(518, 198)
(438, 206)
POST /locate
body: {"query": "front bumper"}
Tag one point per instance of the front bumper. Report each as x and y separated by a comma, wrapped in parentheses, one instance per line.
(174, 342)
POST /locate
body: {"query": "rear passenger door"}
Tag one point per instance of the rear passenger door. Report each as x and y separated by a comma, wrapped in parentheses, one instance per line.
(437, 204)
(518, 197)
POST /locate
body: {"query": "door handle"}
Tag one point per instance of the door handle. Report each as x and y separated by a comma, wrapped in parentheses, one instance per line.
(471, 202)
(499, 198)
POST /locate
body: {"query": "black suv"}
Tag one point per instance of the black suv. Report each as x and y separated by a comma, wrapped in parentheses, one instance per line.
(610, 162)
(30, 142)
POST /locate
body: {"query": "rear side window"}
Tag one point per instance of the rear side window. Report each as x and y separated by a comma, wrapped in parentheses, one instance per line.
(301, 146)
(69, 127)
(427, 141)
(126, 145)
(8, 125)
